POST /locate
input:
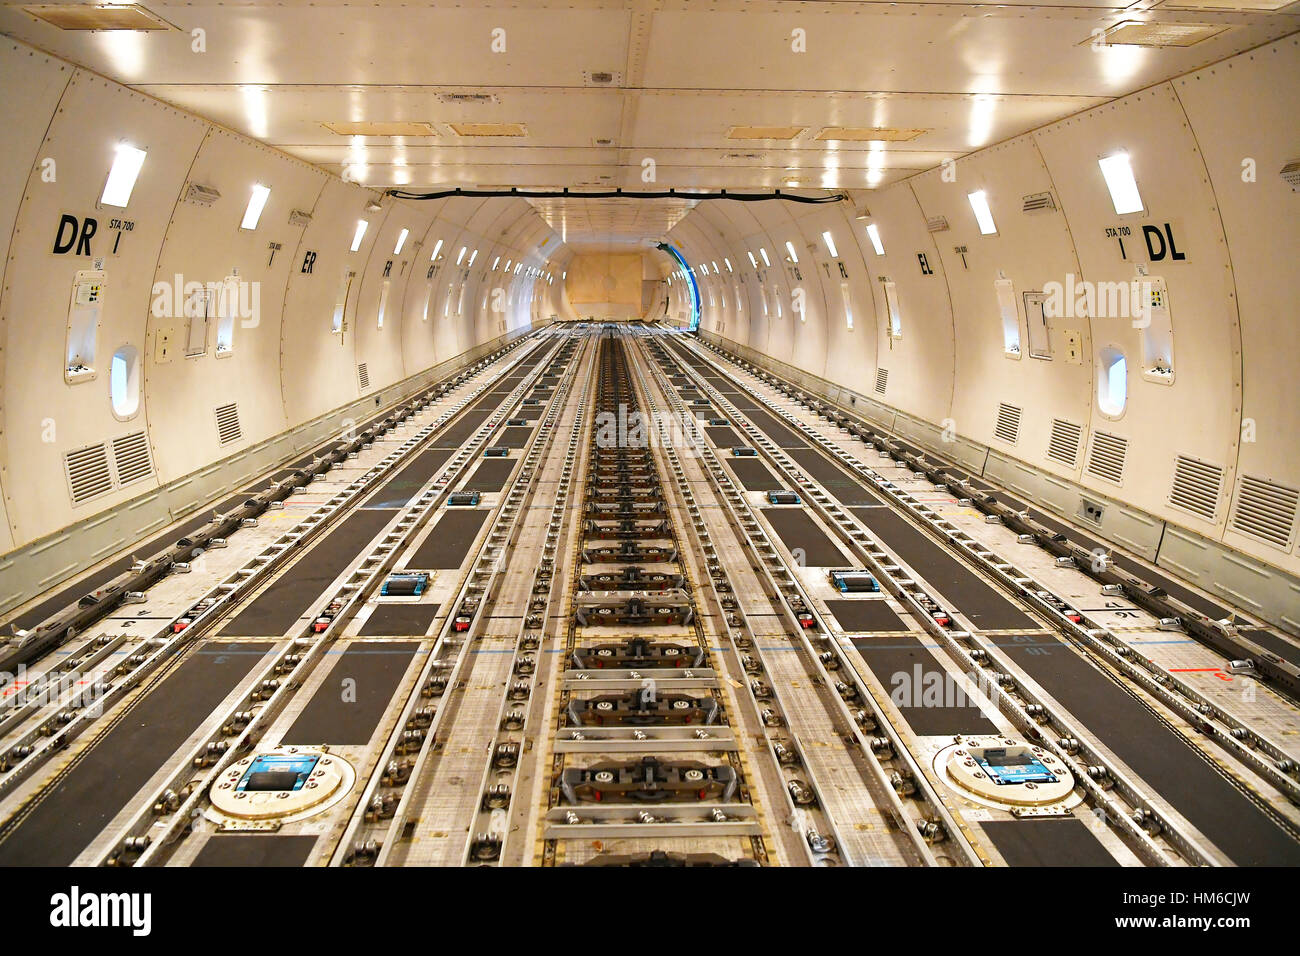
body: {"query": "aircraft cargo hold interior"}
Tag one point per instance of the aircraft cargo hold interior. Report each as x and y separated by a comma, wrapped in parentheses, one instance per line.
(650, 434)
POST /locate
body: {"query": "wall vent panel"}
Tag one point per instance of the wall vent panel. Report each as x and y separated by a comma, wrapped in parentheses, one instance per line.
(1106, 458)
(228, 427)
(1008, 423)
(88, 473)
(882, 380)
(363, 376)
(1196, 488)
(1265, 510)
(131, 458)
(1063, 445)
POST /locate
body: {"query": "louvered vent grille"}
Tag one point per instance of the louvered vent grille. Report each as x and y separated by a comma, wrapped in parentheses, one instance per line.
(1008, 426)
(1106, 460)
(363, 376)
(1265, 510)
(131, 458)
(1196, 487)
(88, 472)
(1063, 446)
(937, 224)
(1037, 202)
(228, 428)
(882, 380)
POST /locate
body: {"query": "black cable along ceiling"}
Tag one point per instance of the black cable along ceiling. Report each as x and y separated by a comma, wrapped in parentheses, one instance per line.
(613, 194)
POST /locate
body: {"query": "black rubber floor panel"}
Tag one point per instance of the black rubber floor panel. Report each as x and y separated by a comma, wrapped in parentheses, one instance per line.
(840, 483)
(870, 614)
(907, 669)
(529, 413)
(466, 425)
(490, 475)
(1061, 842)
(801, 534)
(753, 475)
(255, 849)
(969, 594)
(724, 437)
(1158, 755)
(514, 436)
(276, 609)
(403, 486)
(449, 541)
(782, 434)
(347, 707)
(109, 774)
(399, 620)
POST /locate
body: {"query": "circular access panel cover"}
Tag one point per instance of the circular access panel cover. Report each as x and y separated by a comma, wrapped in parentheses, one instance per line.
(280, 786)
(1006, 773)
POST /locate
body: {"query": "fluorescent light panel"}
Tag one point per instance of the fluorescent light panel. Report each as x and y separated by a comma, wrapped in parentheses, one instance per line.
(979, 202)
(873, 233)
(256, 203)
(401, 241)
(122, 176)
(360, 234)
(830, 244)
(1119, 180)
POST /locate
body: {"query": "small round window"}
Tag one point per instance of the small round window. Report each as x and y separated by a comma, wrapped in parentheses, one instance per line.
(1112, 382)
(124, 381)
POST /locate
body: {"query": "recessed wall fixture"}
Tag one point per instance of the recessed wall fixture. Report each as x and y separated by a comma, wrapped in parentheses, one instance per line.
(127, 162)
(873, 233)
(1118, 173)
(979, 203)
(256, 203)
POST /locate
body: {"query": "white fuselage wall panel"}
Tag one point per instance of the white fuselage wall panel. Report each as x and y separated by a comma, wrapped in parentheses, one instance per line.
(274, 350)
(1222, 241)
(205, 244)
(1251, 99)
(92, 117)
(34, 83)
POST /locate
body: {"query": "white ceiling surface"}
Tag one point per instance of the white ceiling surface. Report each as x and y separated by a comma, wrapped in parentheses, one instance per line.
(967, 74)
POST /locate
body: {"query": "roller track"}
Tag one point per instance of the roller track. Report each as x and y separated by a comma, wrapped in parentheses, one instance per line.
(627, 654)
